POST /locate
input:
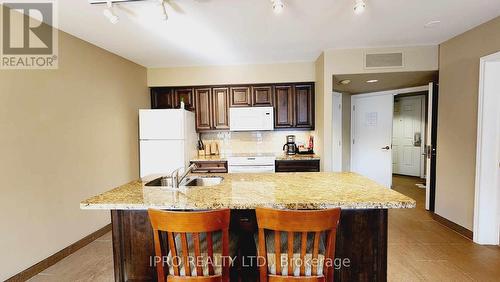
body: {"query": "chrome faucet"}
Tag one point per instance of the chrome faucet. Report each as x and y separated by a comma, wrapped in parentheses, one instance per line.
(176, 179)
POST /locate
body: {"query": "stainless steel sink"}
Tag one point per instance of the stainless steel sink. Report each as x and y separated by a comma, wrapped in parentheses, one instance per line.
(202, 181)
(160, 181)
(187, 182)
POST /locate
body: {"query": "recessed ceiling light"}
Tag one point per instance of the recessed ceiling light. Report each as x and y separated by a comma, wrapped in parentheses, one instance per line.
(345, 81)
(278, 6)
(432, 24)
(372, 81)
(359, 6)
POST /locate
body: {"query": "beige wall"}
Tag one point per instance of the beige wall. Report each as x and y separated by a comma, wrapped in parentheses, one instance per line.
(457, 120)
(319, 100)
(265, 73)
(350, 61)
(66, 134)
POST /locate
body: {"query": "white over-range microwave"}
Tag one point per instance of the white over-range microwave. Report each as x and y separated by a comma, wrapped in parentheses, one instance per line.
(251, 118)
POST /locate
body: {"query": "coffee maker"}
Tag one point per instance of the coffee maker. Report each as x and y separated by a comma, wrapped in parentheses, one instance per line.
(290, 147)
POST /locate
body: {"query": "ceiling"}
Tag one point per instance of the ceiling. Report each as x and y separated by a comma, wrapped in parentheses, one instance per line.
(219, 32)
(386, 81)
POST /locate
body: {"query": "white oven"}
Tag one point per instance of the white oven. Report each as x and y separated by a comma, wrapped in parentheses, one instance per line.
(251, 164)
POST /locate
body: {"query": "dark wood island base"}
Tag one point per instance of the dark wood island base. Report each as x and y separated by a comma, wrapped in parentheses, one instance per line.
(361, 238)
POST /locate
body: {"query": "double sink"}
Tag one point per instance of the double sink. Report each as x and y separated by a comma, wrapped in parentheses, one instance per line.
(188, 181)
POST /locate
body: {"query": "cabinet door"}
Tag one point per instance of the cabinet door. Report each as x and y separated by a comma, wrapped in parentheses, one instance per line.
(304, 104)
(297, 166)
(220, 108)
(240, 97)
(162, 98)
(262, 96)
(283, 99)
(203, 100)
(185, 94)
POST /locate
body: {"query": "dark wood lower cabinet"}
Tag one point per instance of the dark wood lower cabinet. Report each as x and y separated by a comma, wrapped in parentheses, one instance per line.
(297, 166)
(210, 167)
(361, 245)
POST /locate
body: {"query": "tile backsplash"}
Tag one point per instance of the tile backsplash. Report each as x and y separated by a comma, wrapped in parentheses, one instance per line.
(254, 141)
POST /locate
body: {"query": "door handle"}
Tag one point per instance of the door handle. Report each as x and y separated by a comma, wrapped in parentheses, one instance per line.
(386, 148)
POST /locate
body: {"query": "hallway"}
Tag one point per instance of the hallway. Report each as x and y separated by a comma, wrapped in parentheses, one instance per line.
(421, 249)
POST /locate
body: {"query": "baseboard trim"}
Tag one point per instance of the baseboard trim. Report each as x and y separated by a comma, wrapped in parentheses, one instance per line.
(53, 259)
(453, 226)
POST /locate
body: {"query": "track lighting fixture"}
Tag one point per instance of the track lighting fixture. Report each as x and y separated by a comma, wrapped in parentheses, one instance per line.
(359, 6)
(109, 14)
(163, 10)
(278, 6)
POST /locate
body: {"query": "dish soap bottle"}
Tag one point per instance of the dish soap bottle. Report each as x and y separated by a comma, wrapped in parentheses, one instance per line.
(182, 104)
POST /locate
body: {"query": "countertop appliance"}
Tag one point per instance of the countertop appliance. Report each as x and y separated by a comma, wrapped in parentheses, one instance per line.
(251, 118)
(167, 140)
(290, 147)
(259, 163)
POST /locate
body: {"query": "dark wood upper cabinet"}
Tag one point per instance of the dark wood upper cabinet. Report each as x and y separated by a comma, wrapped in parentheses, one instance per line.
(162, 98)
(203, 109)
(304, 106)
(220, 108)
(185, 94)
(240, 97)
(283, 101)
(262, 96)
(293, 103)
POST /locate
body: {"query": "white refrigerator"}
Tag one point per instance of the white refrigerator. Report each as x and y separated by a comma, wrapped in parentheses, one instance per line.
(167, 140)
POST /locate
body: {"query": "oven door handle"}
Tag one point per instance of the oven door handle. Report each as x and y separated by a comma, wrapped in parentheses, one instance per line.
(251, 169)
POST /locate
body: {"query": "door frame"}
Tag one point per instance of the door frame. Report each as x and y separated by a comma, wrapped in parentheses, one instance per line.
(487, 198)
(337, 138)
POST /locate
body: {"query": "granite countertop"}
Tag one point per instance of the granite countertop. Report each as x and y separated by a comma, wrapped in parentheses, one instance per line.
(301, 190)
(211, 158)
(280, 157)
(297, 157)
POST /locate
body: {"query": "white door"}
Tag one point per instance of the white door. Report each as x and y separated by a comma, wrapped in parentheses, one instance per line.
(371, 122)
(407, 136)
(337, 132)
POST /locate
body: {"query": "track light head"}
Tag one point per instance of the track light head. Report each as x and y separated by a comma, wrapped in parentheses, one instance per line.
(278, 6)
(164, 15)
(359, 6)
(109, 14)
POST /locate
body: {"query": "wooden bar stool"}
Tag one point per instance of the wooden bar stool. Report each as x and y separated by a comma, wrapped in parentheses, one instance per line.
(311, 263)
(190, 230)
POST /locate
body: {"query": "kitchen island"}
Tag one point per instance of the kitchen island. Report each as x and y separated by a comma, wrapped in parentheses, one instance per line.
(361, 236)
